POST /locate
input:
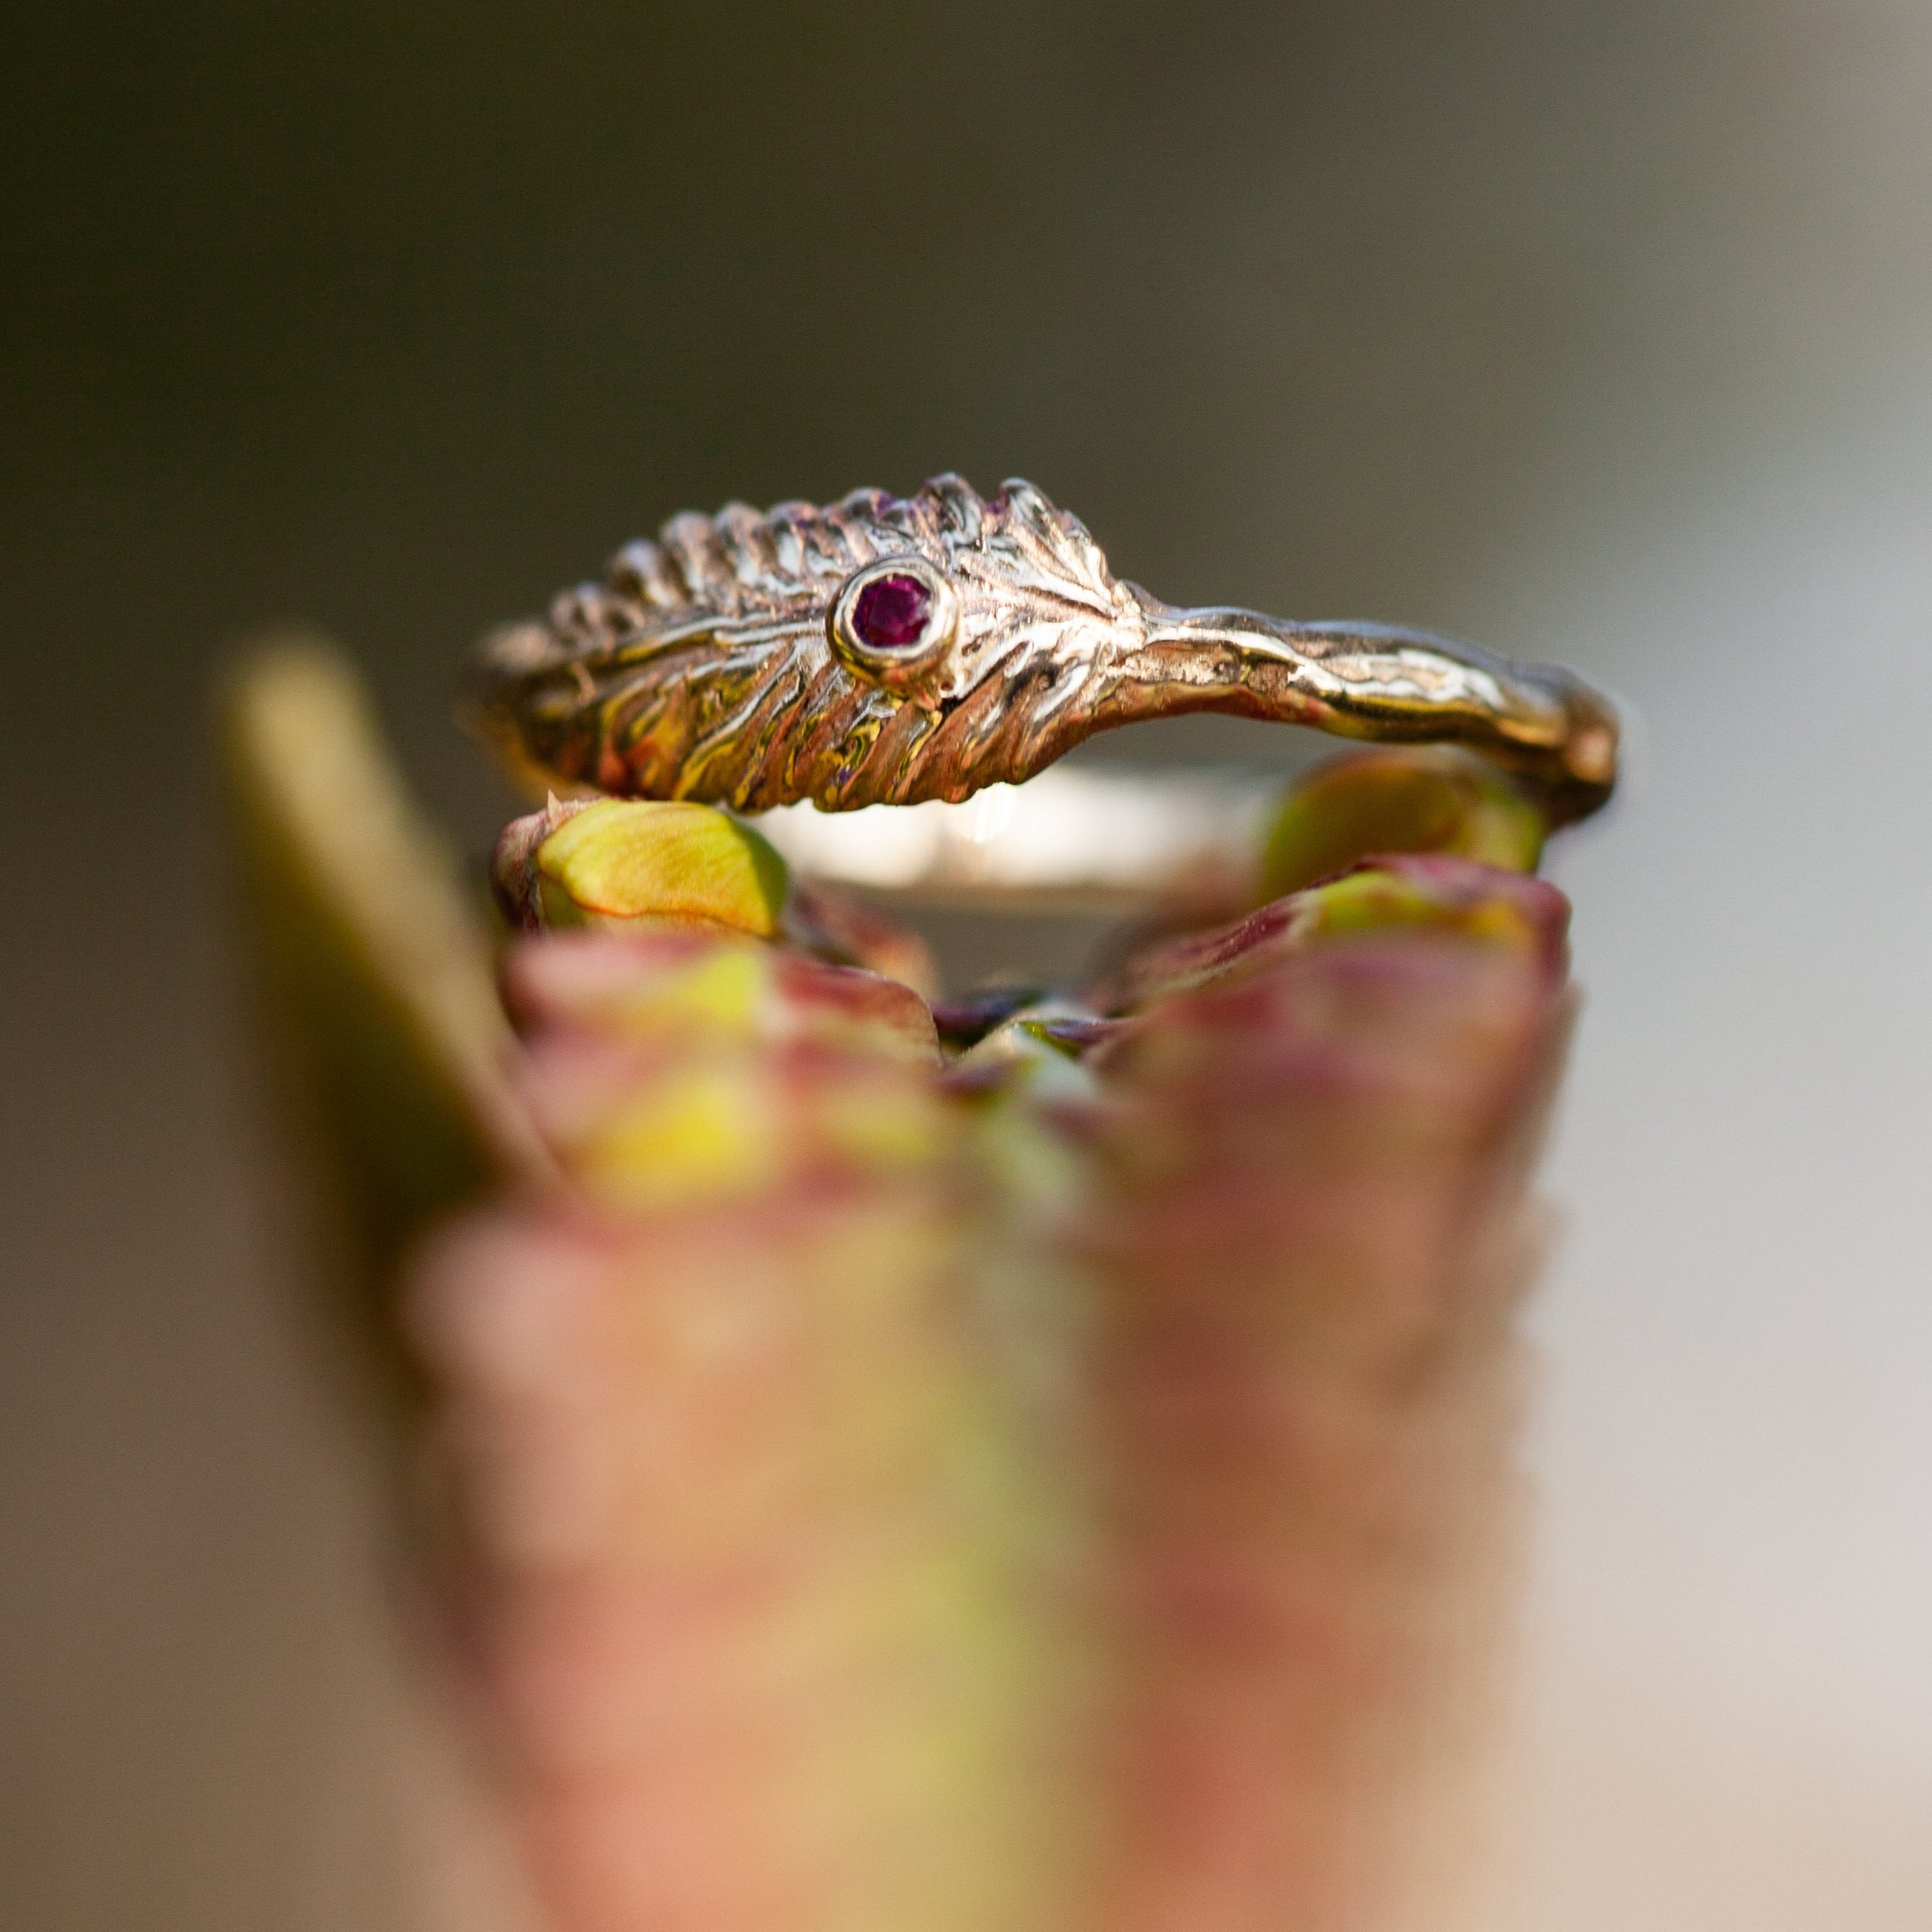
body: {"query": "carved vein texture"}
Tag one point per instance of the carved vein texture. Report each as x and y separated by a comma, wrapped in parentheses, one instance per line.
(714, 663)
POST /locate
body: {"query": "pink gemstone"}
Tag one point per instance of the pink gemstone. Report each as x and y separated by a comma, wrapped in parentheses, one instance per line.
(892, 611)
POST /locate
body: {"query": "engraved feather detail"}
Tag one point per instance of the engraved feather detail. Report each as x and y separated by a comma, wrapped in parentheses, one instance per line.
(728, 660)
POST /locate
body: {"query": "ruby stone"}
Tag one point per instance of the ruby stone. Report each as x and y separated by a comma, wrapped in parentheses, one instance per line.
(891, 612)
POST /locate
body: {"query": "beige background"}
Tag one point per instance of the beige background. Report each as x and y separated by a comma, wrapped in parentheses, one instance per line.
(1596, 332)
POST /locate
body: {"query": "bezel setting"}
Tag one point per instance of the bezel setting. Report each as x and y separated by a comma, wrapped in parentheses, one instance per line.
(895, 666)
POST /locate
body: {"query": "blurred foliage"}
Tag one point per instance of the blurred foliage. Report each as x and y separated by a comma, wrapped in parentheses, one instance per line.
(868, 1483)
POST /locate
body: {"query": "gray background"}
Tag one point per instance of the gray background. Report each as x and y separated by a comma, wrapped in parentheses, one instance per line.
(1597, 332)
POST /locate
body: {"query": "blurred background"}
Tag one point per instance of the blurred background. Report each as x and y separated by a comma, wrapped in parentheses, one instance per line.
(1598, 333)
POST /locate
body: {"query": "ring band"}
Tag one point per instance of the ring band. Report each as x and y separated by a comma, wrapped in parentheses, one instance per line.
(1070, 840)
(895, 651)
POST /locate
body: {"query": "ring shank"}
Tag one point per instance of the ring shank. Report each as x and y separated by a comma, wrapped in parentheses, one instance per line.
(1069, 839)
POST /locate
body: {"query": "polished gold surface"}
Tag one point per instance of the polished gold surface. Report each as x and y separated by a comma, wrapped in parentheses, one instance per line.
(729, 662)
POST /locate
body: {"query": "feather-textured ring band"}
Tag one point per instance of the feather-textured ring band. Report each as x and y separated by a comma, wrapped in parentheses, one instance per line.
(885, 650)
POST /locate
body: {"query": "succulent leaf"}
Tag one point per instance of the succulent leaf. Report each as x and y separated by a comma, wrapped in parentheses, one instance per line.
(1450, 896)
(384, 1028)
(619, 861)
(1310, 1234)
(1400, 798)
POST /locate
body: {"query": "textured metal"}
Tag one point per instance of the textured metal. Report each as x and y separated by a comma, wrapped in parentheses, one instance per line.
(720, 663)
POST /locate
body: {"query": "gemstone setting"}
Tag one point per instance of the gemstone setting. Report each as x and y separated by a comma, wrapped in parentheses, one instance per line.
(893, 621)
(891, 612)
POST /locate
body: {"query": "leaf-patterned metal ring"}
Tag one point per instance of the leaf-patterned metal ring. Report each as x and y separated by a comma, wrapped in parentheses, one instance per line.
(887, 650)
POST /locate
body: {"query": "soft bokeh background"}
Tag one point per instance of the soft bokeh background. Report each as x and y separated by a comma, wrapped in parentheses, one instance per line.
(1602, 333)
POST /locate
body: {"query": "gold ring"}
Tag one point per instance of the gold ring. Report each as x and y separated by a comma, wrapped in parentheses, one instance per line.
(885, 650)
